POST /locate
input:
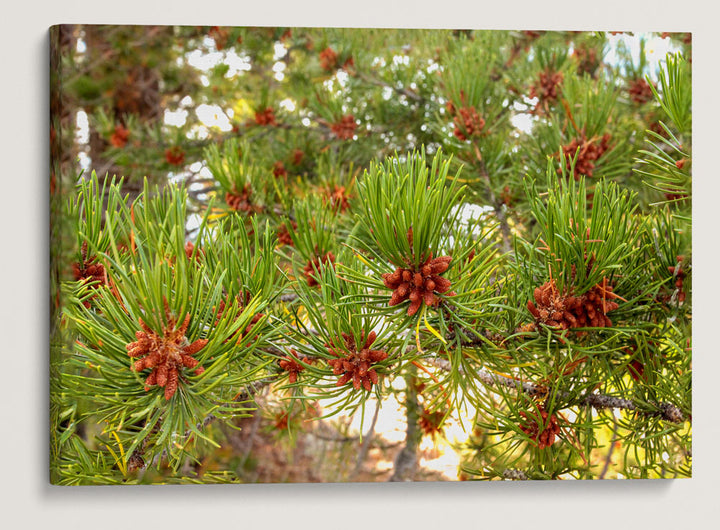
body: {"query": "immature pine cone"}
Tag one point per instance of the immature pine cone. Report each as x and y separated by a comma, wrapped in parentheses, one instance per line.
(120, 136)
(546, 437)
(314, 264)
(290, 364)
(418, 285)
(355, 365)
(283, 234)
(241, 334)
(279, 170)
(431, 422)
(467, 123)
(345, 128)
(175, 156)
(328, 59)
(265, 117)
(589, 152)
(565, 311)
(547, 88)
(338, 198)
(640, 91)
(240, 201)
(165, 354)
(89, 271)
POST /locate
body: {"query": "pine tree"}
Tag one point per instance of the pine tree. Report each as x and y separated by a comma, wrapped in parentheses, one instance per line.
(366, 220)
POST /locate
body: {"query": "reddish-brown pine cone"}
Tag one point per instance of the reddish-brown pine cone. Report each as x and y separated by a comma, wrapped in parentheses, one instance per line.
(314, 264)
(328, 59)
(590, 151)
(565, 311)
(636, 369)
(281, 420)
(120, 136)
(547, 88)
(190, 248)
(219, 35)
(283, 234)
(175, 155)
(279, 170)
(545, 437)
(640, 91)
(467, 123)
(165, 354)
(431, 422)
(89, 271)
(297, 156)
(240, 334)
(339, 198)
(345, 128)
(679, 274)
(420, 285)
(587, 59)
(292, 365)
(265, 117)
(240, 201)
(353, 365)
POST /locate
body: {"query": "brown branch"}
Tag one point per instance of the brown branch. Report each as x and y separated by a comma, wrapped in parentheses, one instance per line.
(379, 82)
(362, 454)
(667, 411)
(406, 462)
(514, 474)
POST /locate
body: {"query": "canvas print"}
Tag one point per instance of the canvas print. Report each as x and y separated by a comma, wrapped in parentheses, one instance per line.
(369, 255)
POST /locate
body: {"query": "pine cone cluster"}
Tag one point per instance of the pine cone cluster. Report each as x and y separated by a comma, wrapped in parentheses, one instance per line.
(345, 128)
(640, 91)
(165, 354)
(241, 334)
(558, 310)
(297, 156)
(119, 136)
(283, 234)
(265, 116)
(545, 437)
(547, 88)
(89, 271)
(281, 420)
(431, 422)
(220, 36)
(292, 365)
(240, 201)
(328, 59)
(190, 248)
(679, 275)
(467, 122)
(419, 285)
(353, 365)
(587, 59)
(279, 170)
(636, 369)
(175, 156)
(314, 264)
(339, 198)
(590, 151)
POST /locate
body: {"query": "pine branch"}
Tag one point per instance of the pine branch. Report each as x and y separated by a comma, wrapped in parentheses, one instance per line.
(401, 91)
(514, 474)
(362, 454)
(667, 411)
